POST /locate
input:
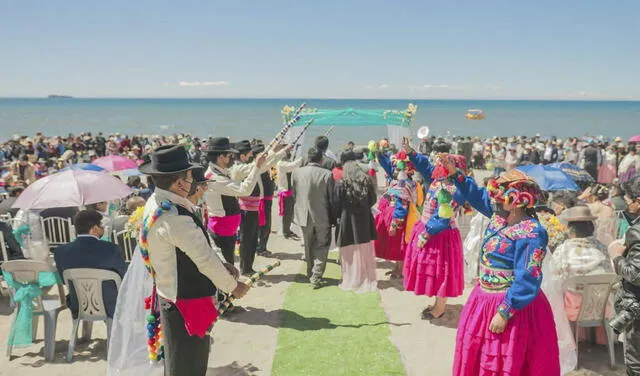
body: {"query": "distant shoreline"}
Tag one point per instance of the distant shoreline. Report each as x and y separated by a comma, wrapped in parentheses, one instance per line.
(299, 99)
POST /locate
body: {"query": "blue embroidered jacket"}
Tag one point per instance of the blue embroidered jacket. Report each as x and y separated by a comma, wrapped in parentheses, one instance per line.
(434, 224)
(397, 192)
(511, 256)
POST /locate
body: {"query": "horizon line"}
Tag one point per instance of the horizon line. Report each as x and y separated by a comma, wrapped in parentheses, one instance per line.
(335, 98)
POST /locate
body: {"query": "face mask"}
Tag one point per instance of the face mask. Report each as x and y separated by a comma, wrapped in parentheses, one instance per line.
(498, 209)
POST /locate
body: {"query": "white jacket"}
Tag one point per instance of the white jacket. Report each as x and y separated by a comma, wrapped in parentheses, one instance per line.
(220, 184)
(283, 168)
(172, 230)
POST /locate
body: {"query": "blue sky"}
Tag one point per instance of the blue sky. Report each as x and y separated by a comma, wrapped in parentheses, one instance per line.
(570, 49)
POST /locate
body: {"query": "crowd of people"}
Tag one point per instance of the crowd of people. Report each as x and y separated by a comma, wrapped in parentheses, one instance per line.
(604, 159)
(202, 204)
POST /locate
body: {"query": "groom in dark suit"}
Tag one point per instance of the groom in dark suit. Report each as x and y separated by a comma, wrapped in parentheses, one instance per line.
(88, 251)
(312, 189)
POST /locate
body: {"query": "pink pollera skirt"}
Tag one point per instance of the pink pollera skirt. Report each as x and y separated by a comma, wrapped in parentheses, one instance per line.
(527, 347)
(388, 247)
(437, 269)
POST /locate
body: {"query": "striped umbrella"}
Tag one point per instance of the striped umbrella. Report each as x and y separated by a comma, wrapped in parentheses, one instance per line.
(579, 175)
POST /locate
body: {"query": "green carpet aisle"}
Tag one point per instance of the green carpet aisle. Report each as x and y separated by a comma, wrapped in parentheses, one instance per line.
(334, 332)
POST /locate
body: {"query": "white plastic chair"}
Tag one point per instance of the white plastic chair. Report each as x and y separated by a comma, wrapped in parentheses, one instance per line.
(57, 231)
(87, 284)
(126, 243)
(595, 310)
(48, 306)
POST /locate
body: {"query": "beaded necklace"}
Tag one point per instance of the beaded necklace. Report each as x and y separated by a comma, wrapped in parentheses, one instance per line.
(154, 329)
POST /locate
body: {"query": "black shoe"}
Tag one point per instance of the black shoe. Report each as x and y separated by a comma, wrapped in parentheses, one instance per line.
(265, 253)
(292, 236)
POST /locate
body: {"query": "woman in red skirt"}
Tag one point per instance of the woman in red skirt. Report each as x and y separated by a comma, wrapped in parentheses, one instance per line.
(397, 209)
(434, 264)
(507, 326)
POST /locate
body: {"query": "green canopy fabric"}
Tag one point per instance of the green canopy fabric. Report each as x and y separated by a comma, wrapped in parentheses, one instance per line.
(353, 117)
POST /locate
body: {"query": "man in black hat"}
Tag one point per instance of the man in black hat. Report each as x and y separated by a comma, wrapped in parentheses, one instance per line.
(252, 206)
(6, 206)
(187, 270)
(222, 194)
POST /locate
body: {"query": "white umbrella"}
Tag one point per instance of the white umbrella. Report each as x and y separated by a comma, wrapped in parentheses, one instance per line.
(72, 188)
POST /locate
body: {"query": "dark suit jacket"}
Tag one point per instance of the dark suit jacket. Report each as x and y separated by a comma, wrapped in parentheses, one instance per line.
(14, 252)
(5, 206)
(89, 252)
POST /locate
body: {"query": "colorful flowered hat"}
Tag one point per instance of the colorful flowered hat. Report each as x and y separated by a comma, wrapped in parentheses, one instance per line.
(440, 172)
(402, 163)
(516, 188)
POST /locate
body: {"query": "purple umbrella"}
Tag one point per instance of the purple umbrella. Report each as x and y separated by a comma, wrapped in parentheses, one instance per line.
(72, 188)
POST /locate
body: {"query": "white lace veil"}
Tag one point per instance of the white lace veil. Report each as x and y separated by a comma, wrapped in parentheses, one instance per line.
(128, 354)
(552, 288)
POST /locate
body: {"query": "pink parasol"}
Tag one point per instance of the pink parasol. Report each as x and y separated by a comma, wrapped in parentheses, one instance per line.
(72, 188)
(113, 163)
(635, 138)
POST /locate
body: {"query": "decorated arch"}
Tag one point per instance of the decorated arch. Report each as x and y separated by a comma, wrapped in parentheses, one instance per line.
(398, 122)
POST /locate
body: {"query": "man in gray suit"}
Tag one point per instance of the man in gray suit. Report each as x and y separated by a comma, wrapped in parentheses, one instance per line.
(312, 189)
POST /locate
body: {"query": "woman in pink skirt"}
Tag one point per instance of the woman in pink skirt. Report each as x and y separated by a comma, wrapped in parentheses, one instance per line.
(433, 263)
(507, 326)
(396, 210)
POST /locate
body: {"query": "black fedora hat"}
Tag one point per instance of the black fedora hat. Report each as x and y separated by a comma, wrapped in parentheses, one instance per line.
(220, 145)
(243, 147)
(198, 175)
(167, 159)
(257, 148)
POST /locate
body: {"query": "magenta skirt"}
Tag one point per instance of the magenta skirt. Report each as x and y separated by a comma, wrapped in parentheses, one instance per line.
(437, 269)
(388, 247)
(527, 347)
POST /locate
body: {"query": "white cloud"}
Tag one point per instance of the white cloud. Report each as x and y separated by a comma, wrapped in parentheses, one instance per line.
(438, 87)
(203, 83)
(376, 87)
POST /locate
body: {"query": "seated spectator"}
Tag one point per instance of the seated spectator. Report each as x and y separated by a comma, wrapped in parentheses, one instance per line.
(14, 251)
(581, 254)
(88, 251)
(562, 200)
(617, 200)
(119, 222)
(103, 209)
(6, 204)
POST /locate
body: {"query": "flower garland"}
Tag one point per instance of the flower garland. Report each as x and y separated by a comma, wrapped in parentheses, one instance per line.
(154, 329)
(555, 229)
(134, 224)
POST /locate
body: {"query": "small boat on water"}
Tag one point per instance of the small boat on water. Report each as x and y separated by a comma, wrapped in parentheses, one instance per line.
(474, 114)
(58, 96)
